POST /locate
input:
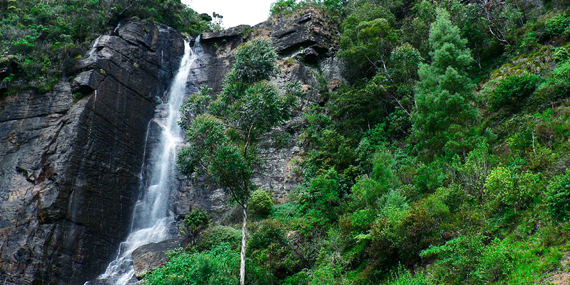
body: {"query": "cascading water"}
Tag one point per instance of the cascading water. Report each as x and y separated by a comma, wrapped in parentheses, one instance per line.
(150, 219)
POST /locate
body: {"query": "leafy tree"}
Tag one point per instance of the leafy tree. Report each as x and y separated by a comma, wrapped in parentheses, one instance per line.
(224, 134)
(194, 222)
(444, 93)
(366, 44)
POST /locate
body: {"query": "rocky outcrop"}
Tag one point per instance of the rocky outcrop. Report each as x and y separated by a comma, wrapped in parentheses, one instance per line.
(309, 35)
(294, 37)
(152, 255)
(69, 169)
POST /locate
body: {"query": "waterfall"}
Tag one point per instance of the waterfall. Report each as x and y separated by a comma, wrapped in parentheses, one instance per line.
(150, 218)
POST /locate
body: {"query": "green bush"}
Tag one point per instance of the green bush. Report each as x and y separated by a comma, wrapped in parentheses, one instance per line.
(557, 86)
(260, 203)
(321, 199)
(457, 260)
(267, 232)
(283, 7)
(220, 265)
(558, 25)
(254, 61)
(496, 261)
(466, 260)
(194, 222)
(561, 55)
(558, 196)
(300, 278)
(270, 250)
(429, 177)
(403, 276)
(217, 235)
(505, 187)
(513, 91)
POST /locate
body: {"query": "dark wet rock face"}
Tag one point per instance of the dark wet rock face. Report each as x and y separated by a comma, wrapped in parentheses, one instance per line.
(69, 170)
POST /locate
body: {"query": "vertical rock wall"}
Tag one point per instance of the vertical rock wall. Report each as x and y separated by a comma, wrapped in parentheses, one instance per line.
(306, 44)
(69, 170)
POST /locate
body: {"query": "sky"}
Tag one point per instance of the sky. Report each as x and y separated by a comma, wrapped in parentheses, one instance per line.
(235, 12)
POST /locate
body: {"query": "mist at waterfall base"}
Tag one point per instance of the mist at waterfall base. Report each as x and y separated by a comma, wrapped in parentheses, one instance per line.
(150, 218)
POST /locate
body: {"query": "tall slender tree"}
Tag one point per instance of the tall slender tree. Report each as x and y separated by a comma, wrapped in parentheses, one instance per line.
(224, 133)
(444, 94)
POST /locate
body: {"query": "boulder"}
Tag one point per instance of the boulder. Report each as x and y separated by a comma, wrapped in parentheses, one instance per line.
(308, 35)
(153, 255)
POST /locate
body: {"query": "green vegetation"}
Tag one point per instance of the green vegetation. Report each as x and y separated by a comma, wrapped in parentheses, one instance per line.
(45, 38)
(224, 134)
(442, 160)
(194, 222)
(260, 203)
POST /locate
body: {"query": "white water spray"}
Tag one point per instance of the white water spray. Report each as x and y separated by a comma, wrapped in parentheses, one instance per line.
(150, 220)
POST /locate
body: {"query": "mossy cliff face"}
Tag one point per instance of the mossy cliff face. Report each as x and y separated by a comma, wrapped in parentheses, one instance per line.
(69, 168)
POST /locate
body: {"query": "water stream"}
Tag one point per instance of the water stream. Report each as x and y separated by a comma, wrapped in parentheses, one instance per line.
(150, 218)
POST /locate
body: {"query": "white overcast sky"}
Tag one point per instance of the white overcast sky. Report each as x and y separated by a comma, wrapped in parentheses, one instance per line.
(235, 12)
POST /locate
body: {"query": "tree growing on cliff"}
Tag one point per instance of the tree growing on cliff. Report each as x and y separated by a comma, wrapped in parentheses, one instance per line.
(224, 133)
(444, 96)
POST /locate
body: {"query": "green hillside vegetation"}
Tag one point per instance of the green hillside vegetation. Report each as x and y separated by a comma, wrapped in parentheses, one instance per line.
(43, 39)
(458, 173)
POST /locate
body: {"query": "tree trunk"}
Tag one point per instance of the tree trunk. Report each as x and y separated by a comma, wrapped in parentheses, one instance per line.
(243, 247)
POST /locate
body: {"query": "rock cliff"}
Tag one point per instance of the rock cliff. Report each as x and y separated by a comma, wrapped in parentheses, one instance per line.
(306, 44)
(69, 169)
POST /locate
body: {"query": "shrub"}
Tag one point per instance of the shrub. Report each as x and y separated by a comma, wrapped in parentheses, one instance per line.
(321, 199)
(283, 7)
(558, 84)
(456, 260)
(269, 249)
(466, 260)
(558, 196)
(496, 261)
(558, 25)
(218, 266)
(429, 177)
(513, 91)
(259, 203)
(297, 279)
(505, 187)
(268, 232)
(194, 222)
(254, 61)
(403, 276)
(218, 235)
(561, 54)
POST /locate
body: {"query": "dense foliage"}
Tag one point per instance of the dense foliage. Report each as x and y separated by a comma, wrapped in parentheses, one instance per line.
(43, 39)
(224, 134)
(441, 160)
